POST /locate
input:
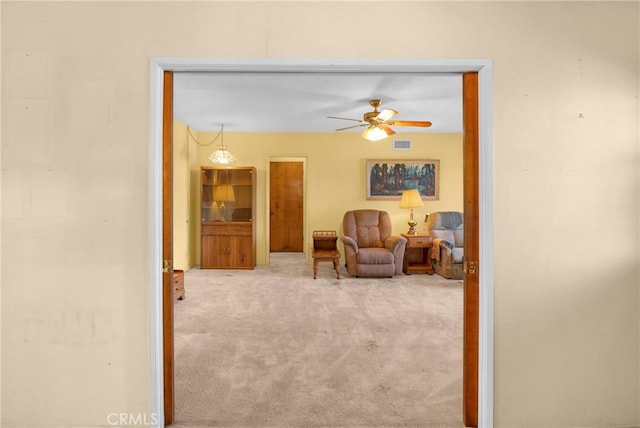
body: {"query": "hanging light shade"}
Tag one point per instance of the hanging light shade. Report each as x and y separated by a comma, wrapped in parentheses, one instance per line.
(222, 156)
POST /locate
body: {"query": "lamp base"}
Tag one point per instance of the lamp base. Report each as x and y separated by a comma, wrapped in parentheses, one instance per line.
(412, 224)
(412, 227)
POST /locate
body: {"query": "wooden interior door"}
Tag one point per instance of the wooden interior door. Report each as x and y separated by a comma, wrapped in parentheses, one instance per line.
(471, 249)
(286, 193)
(167, 247)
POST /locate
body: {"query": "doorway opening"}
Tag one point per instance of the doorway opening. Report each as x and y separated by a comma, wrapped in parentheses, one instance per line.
(485, 207)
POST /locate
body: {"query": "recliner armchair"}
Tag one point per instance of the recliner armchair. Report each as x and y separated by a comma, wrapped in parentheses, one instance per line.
(447, 253)
(369, 248)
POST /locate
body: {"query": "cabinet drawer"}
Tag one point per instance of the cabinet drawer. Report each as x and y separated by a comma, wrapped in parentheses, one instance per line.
(419, 242)
(226, 230)
(178, 279)
(178, 284)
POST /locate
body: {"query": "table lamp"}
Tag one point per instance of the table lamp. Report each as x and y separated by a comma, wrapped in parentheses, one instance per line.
(411, 199)
(223, 193)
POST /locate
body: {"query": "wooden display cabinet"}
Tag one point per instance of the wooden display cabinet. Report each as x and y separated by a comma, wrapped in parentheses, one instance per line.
(228, 232)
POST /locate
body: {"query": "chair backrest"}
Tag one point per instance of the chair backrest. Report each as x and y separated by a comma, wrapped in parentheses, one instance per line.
(447, 225)
(369, 228)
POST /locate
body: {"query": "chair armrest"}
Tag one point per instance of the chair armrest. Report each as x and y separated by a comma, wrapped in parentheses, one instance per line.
(441, 248)
(447, 244)
(346, 240)
(392, 242)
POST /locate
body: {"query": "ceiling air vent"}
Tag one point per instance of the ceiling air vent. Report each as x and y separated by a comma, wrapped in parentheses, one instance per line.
(401, 144)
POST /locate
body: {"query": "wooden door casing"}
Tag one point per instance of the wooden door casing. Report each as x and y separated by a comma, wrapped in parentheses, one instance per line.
(471, 249)
(167, 248)
(286, 215)
(471, 299)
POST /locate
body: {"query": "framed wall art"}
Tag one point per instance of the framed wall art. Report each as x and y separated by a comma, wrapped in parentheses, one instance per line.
(387, 178)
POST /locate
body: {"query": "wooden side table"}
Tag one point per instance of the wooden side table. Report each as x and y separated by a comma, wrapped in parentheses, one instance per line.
(417, 257)
(325, 249)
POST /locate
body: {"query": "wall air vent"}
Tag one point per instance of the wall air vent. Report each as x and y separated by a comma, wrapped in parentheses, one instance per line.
(401, 144)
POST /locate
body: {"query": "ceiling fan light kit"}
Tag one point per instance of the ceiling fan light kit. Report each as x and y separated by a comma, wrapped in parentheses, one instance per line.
(377, 122)
(374, 133)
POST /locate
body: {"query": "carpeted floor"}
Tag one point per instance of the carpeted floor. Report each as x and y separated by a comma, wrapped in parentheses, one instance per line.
(272, 347)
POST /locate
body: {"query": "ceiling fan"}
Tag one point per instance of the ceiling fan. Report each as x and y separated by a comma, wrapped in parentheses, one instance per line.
(378, 122)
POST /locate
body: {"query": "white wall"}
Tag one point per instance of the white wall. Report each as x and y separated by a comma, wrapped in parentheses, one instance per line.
(75, 115)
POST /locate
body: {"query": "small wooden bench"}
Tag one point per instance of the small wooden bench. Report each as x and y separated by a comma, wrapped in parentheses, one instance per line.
(325, 250)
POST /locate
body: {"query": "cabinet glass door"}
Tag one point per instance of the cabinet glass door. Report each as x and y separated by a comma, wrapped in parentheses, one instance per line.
(227, 195)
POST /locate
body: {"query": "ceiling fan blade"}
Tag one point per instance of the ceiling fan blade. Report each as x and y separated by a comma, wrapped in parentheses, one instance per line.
(349, 127)
(344, 118)
(386, 129)
(419, 123)
(386, 114)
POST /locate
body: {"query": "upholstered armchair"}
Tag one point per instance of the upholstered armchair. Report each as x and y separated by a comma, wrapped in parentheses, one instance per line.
(369, 248)
(447, 231)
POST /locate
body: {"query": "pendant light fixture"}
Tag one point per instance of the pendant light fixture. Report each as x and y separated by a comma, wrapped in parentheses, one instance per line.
(222, 156)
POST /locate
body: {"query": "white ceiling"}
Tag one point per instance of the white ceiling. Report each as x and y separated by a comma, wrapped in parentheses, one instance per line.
(301, 102)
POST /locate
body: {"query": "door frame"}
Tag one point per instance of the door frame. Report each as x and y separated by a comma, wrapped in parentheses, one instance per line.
(303, 160)
(484, 68)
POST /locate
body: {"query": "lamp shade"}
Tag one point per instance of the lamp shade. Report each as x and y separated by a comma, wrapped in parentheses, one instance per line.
(411, 199)
(224, 193)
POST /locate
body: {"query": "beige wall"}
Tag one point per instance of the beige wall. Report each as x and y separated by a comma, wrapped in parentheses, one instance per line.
(75, 188)
(335, 174)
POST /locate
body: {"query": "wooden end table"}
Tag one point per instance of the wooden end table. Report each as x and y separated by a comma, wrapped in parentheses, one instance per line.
(417, 257)
(325, 249)
(326, 256)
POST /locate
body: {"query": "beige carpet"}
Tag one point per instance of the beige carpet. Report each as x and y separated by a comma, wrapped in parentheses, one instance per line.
(272, 347)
